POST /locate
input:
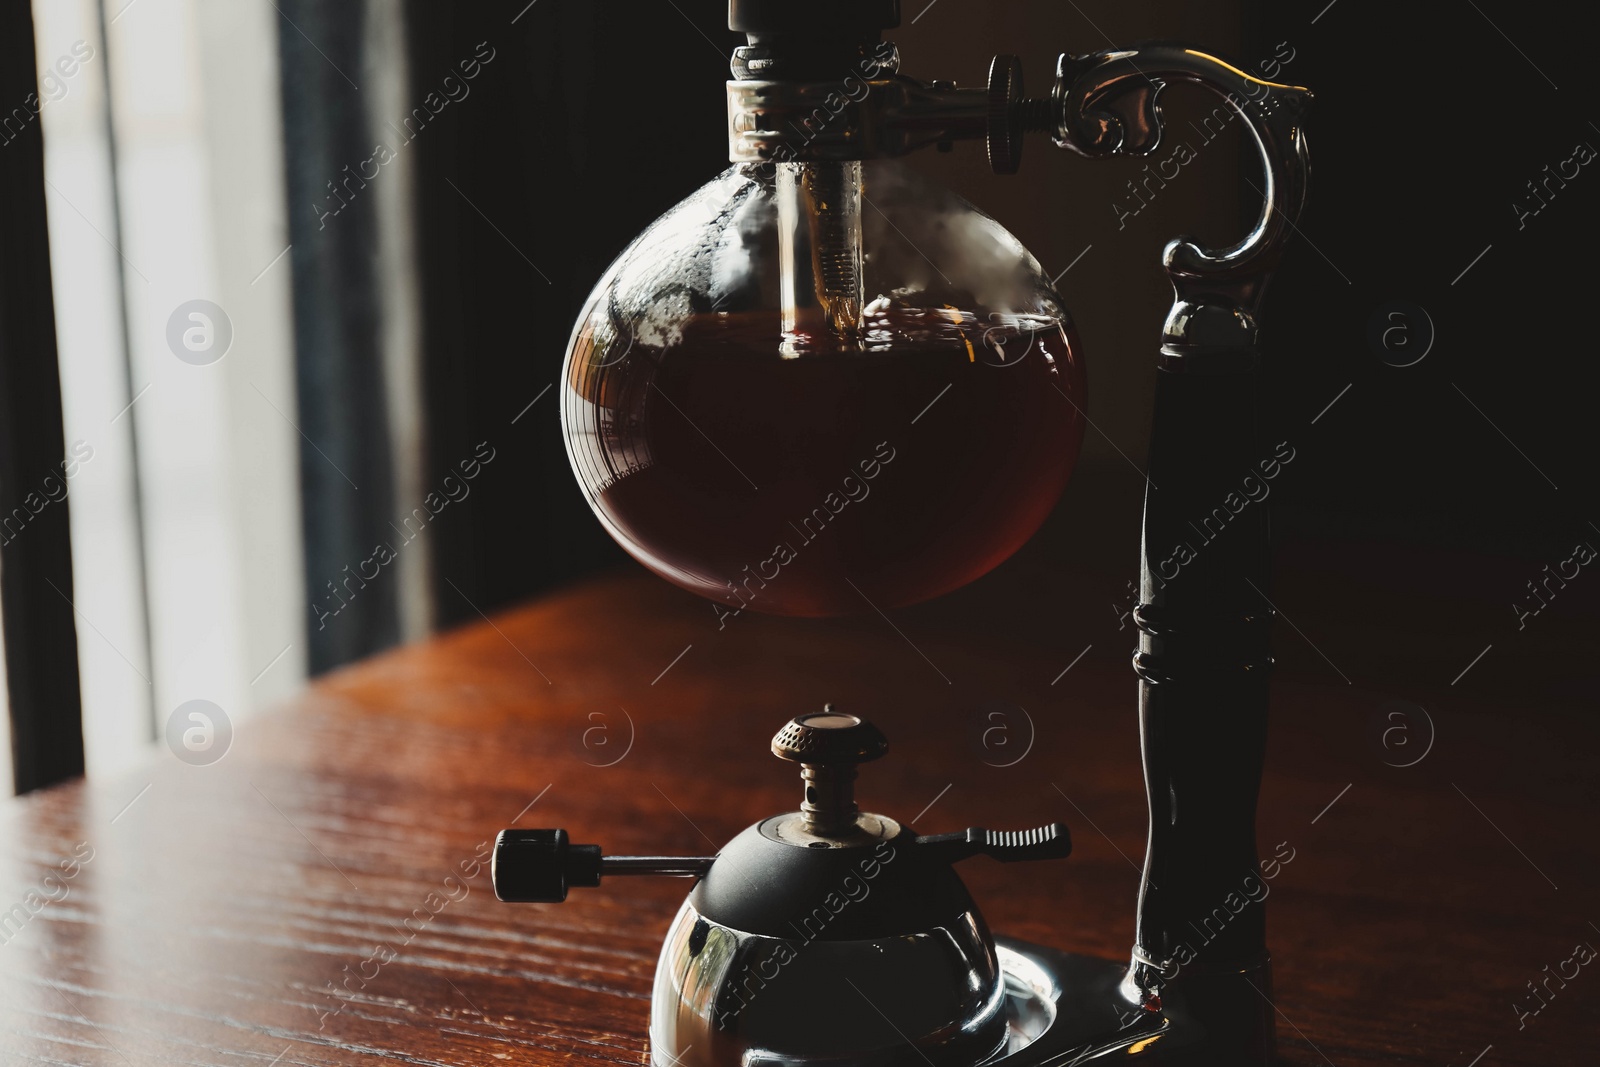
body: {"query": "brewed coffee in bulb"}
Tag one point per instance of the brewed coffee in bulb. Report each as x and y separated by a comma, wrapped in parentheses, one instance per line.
(833, 481)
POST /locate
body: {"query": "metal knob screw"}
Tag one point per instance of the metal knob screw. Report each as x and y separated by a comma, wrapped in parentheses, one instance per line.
(1011, 114)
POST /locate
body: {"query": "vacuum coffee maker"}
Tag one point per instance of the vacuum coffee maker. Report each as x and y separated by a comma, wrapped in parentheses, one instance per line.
(752, 401)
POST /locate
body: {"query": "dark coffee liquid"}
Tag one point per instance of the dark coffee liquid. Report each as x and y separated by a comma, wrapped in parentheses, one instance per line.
(823, 483)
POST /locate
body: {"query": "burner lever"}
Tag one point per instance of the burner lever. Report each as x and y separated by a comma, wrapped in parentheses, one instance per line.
(1051, 842)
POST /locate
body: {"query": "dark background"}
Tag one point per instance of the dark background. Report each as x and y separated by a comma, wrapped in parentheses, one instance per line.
(1424, 499)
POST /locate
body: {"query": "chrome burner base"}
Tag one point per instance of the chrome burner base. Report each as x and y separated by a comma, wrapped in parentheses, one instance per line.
(1066, 1010)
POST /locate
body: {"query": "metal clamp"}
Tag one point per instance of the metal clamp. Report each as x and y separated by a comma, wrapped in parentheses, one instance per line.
(1109, 103)
(1102, 104)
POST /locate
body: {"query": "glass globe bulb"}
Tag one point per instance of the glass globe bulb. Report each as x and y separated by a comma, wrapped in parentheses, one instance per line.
(749, 433)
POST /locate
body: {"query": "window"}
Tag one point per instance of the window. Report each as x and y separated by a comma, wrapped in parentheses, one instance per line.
(164, 172)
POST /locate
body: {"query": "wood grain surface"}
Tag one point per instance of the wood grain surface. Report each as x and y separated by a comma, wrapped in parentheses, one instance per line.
(318, 896)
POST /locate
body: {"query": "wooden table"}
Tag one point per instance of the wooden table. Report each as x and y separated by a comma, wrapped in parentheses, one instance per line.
(318, 896)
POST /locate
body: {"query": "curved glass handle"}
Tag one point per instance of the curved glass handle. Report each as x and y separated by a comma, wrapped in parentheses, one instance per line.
(1108, 103)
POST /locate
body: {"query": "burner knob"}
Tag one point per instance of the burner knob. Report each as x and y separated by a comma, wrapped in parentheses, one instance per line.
(537, 866)
(828, 744)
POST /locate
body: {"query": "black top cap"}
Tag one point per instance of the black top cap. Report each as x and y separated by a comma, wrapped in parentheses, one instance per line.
(814, 18)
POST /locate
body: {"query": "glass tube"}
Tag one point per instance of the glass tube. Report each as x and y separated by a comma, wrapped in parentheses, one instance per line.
(819, 253)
